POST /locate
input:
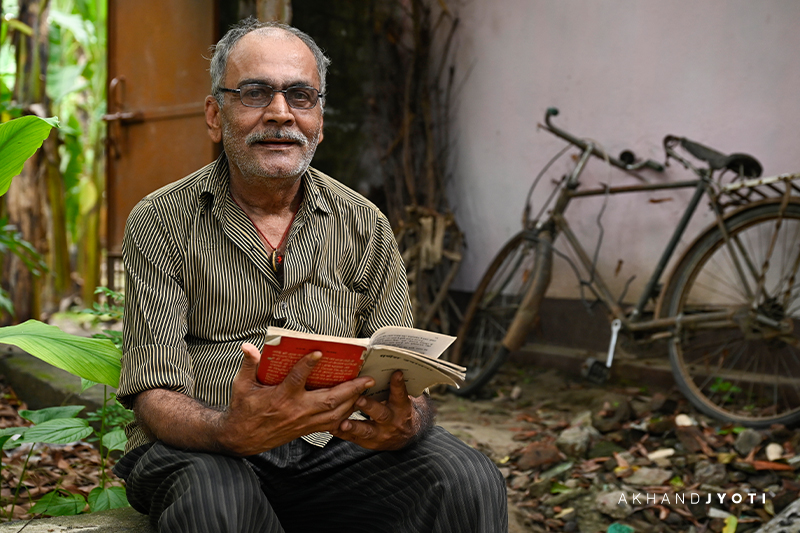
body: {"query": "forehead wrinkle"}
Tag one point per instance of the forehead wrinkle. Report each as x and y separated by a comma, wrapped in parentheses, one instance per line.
(265, 81)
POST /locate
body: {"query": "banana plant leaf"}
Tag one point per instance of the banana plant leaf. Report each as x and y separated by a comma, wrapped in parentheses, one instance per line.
(19, 139)
(97, 360)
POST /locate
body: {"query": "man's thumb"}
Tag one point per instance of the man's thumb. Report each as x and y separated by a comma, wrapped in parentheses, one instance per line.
(250, 360)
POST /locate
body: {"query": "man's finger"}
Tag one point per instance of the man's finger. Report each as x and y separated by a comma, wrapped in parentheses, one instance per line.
(297, 376)
(397, 389)
(250, 361)
(375, 410)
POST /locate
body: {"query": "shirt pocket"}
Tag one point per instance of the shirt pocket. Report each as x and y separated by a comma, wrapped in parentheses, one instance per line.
(331, 312)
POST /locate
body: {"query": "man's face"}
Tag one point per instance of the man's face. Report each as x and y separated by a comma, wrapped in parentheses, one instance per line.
(276, 141)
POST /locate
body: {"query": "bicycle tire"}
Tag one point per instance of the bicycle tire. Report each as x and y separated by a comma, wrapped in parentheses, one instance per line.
(490, 311)
(740, 371)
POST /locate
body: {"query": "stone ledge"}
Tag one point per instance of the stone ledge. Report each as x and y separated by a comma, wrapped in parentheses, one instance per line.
(125, 520)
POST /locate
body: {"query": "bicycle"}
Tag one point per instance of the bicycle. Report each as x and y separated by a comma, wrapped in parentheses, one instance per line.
(729, 311)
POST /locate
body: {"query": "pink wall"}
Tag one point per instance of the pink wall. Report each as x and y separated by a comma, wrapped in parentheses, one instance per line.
(624, 73)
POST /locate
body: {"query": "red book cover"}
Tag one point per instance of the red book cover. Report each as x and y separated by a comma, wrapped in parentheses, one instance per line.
(340, 361)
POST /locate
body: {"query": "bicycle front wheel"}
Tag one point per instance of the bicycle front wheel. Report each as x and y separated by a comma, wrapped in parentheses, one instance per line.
(490, 312)
(744, 368)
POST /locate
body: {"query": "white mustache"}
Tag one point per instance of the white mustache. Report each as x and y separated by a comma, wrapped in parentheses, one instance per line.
(276, 135)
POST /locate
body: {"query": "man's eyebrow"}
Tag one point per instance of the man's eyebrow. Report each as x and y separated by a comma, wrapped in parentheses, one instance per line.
(262, 81)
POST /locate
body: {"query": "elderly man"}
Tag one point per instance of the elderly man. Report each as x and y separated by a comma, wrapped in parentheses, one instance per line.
(255, 239)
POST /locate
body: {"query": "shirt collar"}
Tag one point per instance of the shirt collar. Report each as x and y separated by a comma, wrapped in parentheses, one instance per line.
(216, 185)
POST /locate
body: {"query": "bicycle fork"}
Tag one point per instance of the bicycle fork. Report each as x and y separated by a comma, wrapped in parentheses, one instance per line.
(528, 311)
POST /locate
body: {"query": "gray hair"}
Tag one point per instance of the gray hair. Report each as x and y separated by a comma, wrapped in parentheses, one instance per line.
(222, 50)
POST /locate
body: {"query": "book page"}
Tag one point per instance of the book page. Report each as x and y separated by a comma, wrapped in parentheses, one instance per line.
(381, 363)
(415, 340)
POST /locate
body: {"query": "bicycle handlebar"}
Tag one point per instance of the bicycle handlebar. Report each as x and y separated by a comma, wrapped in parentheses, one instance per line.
(597, 152)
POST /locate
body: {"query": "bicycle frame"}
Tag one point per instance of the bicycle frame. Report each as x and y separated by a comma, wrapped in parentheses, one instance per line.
(547, 230)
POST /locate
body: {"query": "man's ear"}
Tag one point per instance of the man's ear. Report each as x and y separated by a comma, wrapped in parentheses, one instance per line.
(321, 130)
(213, 119)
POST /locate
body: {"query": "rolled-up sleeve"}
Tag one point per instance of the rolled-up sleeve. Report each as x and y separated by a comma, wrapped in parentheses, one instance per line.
(155, 323)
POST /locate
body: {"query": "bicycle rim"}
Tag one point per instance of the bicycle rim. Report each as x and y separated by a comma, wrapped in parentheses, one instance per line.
(741, 370)
(489, 313)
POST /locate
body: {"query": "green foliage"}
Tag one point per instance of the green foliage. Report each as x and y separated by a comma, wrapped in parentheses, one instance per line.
(59, 503)
(109, 309)
(97, 360)
(19, 140)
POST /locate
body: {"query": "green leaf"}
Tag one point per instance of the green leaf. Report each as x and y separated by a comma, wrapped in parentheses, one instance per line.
(731, 523)
(19, 139)
(109, 498)
(58, 431)
(87, 383)
(558, 488)
(51, 413)
(6, 435)
(57, 504)
(616, 527)
(115, 440)
(93, 359)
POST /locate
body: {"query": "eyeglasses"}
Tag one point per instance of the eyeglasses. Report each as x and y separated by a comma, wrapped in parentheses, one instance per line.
(258, 95)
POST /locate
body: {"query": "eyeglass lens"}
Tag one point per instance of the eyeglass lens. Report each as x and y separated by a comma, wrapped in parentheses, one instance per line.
(262, 95)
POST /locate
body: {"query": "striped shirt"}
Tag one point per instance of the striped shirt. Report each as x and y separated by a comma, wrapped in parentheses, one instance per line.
(199, 282)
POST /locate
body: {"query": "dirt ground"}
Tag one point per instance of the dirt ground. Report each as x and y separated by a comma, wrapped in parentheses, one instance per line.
(492, 424)
(570, 449)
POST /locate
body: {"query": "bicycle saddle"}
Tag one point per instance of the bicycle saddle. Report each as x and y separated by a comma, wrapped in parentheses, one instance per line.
(744, 165)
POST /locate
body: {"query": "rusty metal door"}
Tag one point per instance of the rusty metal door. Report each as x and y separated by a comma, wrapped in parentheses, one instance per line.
(158, 81)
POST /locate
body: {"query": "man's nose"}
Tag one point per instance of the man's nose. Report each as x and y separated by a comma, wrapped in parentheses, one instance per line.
(278, 110)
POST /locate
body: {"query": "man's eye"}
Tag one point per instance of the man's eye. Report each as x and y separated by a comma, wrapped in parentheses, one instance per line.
(255, 93)
(300, 95)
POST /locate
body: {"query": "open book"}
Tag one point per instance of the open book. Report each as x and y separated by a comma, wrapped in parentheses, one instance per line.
(414, 351)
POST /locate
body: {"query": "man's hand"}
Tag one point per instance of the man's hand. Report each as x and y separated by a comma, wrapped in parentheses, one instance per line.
(393, 423)
(258, 417)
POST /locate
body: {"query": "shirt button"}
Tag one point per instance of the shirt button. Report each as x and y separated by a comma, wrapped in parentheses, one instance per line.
(284, 306)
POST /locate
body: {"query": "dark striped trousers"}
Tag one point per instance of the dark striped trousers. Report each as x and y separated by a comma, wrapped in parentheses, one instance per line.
(438, 484)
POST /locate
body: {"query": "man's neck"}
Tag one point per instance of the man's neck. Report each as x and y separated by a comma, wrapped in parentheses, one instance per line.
(267, 197)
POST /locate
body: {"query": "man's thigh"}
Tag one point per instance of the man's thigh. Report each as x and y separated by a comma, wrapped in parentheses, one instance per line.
(437, 484)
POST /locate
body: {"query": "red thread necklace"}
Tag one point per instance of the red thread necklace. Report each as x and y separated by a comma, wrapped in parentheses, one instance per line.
(278, 252)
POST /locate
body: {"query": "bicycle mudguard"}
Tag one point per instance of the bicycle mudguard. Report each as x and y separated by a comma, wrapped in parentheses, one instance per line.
(528, 310)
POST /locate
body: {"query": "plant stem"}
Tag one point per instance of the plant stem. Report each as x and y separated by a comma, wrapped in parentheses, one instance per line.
(19, 484)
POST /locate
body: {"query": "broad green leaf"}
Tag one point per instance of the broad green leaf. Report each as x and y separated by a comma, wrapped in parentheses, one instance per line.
(58, 431)
(7, 434)
(57, 504)
(93, 359)
(115, 440)
(109, 498)
(51, 413)
(86, 383)
(19, 139)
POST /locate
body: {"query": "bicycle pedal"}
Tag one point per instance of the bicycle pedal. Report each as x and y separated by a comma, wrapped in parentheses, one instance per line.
(595, 371)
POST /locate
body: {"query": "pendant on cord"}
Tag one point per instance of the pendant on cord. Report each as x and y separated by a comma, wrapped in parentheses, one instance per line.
(277, 260)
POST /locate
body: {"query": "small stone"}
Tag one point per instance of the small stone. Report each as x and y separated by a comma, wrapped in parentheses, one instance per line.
(516, 393)
(735, 476)
(574, 441)
(538, 454)
(774, 451)
(663, 453)
(614, 504)
(649, 477)
(684, 420)
(746, 441)
(713, 512)
(604, 448)
(582, 419)
(520, 481)
(762, 481)
(708, 473)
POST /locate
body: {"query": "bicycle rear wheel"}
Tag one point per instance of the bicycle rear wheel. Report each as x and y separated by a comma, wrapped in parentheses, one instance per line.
(744, 369)
(490, 312)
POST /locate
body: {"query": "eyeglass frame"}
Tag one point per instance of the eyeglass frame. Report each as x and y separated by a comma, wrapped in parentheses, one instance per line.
(274, 91)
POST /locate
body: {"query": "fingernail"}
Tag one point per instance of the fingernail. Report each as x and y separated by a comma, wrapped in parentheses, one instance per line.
(361, 402)
(316, 356)
(345, 426)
